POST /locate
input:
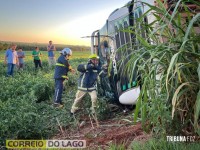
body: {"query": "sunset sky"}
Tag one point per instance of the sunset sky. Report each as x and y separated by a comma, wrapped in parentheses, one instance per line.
(62, 21)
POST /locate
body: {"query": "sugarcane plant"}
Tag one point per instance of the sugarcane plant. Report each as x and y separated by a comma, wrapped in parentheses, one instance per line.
(167, 59)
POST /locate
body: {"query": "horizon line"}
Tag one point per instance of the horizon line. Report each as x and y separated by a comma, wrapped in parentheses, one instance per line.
(41, 43)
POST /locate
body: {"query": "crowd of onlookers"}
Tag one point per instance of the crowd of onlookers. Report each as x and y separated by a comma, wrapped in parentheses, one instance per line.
(16, 58)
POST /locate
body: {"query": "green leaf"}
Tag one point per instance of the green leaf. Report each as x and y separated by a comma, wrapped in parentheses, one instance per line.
(198, 71)
(197, 114)
(194, 19)
(171, 65)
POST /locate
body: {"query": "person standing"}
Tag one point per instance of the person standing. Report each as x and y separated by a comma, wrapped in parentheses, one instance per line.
(11, 59)
(37, 57)
(51, 55)
(21, 56)
(61, 70)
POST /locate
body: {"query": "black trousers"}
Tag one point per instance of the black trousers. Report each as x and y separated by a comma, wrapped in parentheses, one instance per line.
(37, 63)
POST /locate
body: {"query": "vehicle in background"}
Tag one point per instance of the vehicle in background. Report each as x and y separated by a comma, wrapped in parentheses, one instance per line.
(112, 41)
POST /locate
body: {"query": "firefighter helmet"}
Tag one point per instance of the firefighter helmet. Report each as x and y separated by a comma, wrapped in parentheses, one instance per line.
(93, 56)
(66, 51)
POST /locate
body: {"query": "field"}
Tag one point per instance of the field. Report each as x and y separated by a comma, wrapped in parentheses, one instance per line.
(26, 110)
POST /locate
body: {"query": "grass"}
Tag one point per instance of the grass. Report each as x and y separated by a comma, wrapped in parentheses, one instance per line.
(28, 55)
(158, 144)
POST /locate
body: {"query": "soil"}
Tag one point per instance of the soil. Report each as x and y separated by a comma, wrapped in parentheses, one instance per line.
(115, 131)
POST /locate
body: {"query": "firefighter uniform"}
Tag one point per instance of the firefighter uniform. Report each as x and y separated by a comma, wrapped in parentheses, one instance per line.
(87, 83)
(61, 70)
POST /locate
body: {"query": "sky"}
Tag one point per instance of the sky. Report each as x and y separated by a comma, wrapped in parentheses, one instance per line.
(62, 21)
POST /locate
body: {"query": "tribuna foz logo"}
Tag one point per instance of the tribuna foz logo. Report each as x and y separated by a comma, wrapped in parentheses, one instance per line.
(183, 138)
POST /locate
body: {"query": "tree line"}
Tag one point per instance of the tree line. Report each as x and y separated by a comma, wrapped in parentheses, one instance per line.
(43, 47)
(4, 46)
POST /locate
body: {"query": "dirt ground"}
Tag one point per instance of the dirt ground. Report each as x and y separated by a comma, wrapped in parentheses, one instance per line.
(118, 131)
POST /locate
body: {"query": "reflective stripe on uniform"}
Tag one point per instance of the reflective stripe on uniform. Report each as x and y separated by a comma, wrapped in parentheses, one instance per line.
(101, 72)
(92, 71)
(85, 66)
(59, 64)
(93, 88)
(57, 95)
(65, 77)
(82, 79)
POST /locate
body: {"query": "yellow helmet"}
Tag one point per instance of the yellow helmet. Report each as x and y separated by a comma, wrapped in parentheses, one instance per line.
(93, 56)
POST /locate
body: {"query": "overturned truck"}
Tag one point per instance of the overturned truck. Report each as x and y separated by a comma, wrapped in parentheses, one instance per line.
(111, 43)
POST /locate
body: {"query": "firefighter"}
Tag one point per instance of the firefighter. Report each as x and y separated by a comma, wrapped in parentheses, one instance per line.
(87, 82)
(61, 70)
